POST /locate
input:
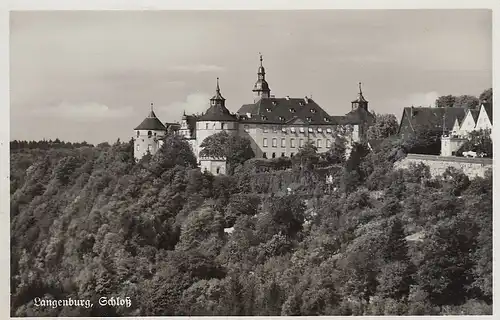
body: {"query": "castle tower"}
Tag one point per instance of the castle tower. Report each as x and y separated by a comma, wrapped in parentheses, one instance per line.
(149, 135)
(217, 118)
(360, 102)
(261, 87)
(184, 129)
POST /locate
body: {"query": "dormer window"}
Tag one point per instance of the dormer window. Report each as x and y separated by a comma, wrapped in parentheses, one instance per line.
(308, 119)
(281, 118)
(264, 118)
(292, 110)
(301, 103)
(274, 103)
(268, 109)
(326, 119)
(313, 110)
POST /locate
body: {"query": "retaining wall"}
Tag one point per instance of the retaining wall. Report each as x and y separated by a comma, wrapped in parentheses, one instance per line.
(471, 166)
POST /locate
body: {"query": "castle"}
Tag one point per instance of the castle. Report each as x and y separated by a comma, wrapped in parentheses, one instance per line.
(276, 127)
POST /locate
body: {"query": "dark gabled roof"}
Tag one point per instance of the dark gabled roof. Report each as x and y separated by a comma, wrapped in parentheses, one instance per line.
(217, 112)
(488, 107)
(285, 110)
(433, 118)
(151, 123)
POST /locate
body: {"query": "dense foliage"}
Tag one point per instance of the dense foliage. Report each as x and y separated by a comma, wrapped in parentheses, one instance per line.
(88, 222)
(464, 101)
(385, 125)
(235, 149)
(478, 141)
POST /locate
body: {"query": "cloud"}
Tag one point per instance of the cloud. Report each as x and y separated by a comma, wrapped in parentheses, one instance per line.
(198, 68)
(197, 102)
(86, 111)
(421, 99)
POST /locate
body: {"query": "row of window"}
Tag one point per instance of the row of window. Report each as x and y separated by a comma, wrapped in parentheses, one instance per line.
(292, 129)
(150, 134)
(274, 143)
(150, 148)
(222, 126)
(273, 155)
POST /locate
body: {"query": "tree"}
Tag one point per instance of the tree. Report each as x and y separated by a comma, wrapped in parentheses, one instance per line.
(234, 148)
(175, 151)
(307, 156)
(479, 142)
(385, 126)
(445, 101)
(337, 153)
(286, 214)
(487, 95)
(423, 141)
(466, 102)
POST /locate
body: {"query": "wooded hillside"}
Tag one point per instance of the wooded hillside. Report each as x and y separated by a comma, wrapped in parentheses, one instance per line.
(88, 222)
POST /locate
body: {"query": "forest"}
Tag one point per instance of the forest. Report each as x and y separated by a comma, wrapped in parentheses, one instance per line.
(88, 221)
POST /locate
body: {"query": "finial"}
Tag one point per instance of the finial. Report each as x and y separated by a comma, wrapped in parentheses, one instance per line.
(260, 54)
(151, 106)
(360, 92)
(218, 88)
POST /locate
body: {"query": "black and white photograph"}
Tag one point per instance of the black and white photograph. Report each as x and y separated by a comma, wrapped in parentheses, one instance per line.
(325, 162)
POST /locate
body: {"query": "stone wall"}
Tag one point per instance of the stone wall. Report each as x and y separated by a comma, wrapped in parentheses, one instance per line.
(471, 166)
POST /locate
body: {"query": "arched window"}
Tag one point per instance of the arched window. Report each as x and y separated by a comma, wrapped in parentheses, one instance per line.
(138, 133)
(291, 155)
(274, 155)
(149, 134)
(222, 126)
(319, 143)
(206, 126)
(264, 155)
(275, 142)
(292, 143)
(218, 170)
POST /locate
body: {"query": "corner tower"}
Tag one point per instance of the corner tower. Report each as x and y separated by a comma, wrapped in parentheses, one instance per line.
(261, 87)
(149, 135)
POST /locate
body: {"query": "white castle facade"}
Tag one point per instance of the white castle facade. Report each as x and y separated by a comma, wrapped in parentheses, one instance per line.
(276, 127)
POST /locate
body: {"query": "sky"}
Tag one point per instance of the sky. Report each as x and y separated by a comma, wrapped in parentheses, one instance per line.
(92, 75)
